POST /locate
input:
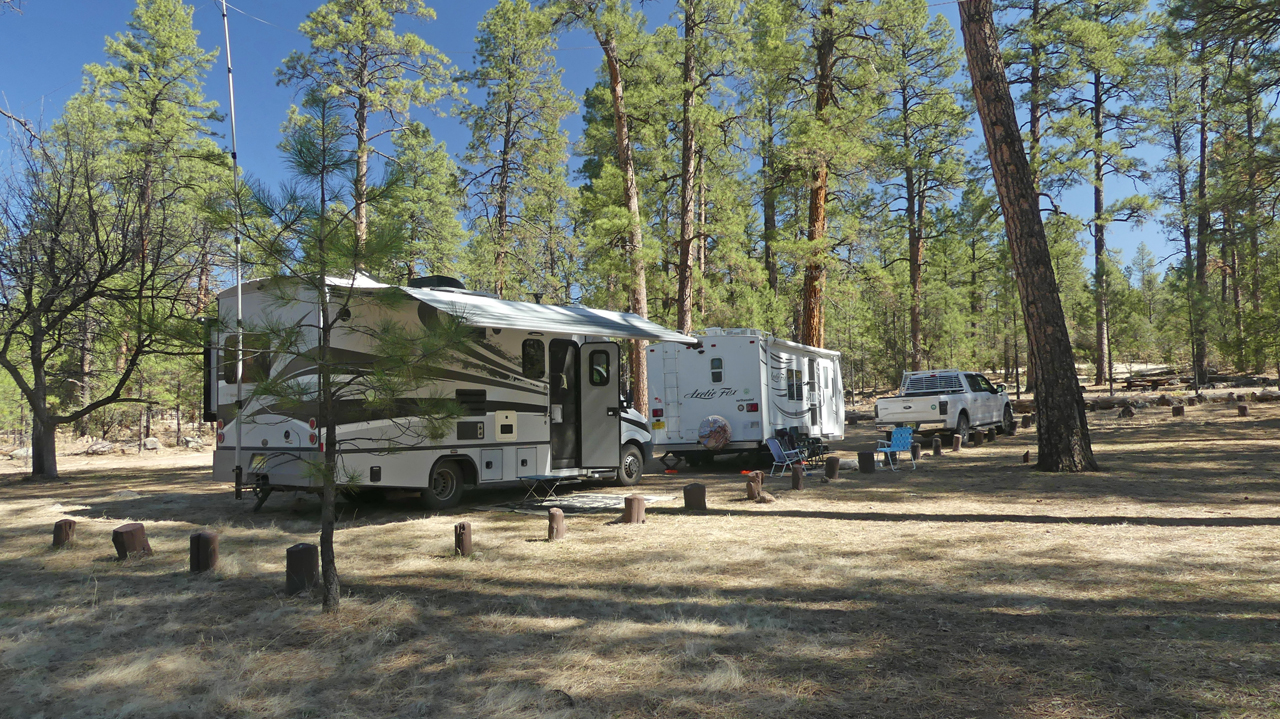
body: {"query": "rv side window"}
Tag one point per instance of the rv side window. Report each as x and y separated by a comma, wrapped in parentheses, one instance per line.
(257, 358)
(533, 359)
(599, 364)
(717, 370)
(472, 401)
(795, 384)
(229, 359)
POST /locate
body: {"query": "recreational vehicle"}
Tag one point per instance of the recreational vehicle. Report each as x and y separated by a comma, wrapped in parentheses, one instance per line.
(540, 388)
(758, 384)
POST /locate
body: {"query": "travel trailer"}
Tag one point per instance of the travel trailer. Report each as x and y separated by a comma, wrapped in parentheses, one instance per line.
(757, 383)
(540, 386)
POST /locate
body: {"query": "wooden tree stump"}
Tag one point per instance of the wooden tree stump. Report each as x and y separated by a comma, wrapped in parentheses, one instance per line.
(1026, 457)
(832, 468)
(204, 551)
(64, 533)
(956, 442)
(1178, 411)
(695, 497)
(1026, 421)
(797, 477)
(753, 489)
(1125, 413)
(978, 438)
(1242, 410)
(937, 446)
(130, 540)
(462, 539)
(756, 476)
(634, 509)
(1191, 401)
(915, 451)
(1013, 429)
(991, 436)
(555, 524)
(867, 462)
(301, 568)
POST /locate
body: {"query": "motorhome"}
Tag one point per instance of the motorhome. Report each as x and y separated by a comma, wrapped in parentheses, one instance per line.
(540, 388)
(757, 383)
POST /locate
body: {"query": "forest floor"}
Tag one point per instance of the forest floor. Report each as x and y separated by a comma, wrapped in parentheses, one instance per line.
(971, 586)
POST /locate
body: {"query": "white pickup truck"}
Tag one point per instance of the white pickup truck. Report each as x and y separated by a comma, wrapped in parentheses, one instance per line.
(948, 401)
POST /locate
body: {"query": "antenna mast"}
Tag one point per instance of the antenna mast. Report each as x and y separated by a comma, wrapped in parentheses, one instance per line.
(235, 190)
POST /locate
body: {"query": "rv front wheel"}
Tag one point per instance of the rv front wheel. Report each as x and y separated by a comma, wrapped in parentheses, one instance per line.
(444, 490)
(631, 466)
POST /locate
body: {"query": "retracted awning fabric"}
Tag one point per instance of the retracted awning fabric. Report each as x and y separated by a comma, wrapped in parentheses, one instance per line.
(481, 311)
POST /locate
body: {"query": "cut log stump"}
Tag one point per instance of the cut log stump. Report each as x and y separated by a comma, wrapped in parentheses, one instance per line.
(1178, 411)
(64, 533)
(1026, 421)
(634, 509)
(978, 438)
(1026, 457)
(695, 497)
(301, 568)
(991, 436)
(956, 442)
(462, 539)
(130, 540)
(867, 462)
(832, 468)
(915, 451)
(555, 524)
(753, 489)
(797, 477)
(204, 551)
(937, 446)
(1242, 410)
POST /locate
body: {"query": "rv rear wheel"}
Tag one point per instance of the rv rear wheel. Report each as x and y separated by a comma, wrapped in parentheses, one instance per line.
(631, 466)
(444, 489)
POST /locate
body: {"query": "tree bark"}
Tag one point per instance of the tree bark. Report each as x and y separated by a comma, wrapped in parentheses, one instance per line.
(638, 296)
(1199, 360)
(812, 324)
(688, 160)
(1102, 356)
(769, 205)
(1062, 430)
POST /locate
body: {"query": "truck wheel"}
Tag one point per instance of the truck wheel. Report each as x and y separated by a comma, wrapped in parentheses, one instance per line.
(1007, 426)
(630, 466)
(962, 428)
(444, 488)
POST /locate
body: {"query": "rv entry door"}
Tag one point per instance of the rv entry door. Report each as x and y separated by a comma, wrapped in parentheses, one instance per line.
(601, 413)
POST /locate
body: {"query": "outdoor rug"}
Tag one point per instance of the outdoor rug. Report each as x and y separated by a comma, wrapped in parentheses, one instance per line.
(572, 504)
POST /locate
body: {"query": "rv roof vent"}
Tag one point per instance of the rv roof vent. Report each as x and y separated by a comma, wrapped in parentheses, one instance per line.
(437, 282)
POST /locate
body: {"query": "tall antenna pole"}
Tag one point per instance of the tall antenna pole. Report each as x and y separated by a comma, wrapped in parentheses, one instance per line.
(235, 190)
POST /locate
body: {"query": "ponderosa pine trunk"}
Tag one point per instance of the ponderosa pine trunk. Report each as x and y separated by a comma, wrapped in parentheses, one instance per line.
(688, 161)
(812, 324)
(1199, 358)
(638, 295)
(1062, 430)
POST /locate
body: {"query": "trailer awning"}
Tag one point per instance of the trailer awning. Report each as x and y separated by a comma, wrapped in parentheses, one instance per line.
(481, 311)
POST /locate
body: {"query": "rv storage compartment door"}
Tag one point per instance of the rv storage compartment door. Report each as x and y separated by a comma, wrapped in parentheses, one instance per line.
(527, 461)
(490, 465)
(601, 408)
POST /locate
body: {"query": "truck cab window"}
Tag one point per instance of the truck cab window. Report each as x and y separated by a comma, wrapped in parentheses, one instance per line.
(717, 370)
(533, 359)
(599, 368)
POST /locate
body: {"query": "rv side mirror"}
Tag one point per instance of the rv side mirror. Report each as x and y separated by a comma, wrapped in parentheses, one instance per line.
(627, 400)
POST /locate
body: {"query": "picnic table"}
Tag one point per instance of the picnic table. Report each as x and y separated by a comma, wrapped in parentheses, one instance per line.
(1149, 382)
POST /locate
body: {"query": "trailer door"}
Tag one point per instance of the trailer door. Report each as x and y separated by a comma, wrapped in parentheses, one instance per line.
(600, 413)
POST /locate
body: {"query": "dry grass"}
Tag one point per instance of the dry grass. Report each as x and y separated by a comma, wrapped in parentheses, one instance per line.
(970, 587)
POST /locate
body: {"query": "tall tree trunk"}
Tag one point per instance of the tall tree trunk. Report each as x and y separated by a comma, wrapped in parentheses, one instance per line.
(1062, 432)
(504, 205)
(332, 590)
(1258, 355)
(1102, 328)
(701, 278)
(915, 259)
(688, 162)
(812, 322)
(1198, 349)
(360, 184)
(769, 205)
(1241, 362)
(638, 295)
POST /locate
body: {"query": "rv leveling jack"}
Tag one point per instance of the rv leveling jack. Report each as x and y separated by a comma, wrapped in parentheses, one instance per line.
(239, 481)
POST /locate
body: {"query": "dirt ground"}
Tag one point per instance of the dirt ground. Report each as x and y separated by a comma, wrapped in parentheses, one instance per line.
(972, 586)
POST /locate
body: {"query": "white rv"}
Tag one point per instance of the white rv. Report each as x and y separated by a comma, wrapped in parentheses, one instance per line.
(540, 388)
(759, 384)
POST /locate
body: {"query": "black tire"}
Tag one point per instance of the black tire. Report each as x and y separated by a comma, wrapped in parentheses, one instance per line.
(444, 487)
(630, 466)
(1006, 426)
(962, 427)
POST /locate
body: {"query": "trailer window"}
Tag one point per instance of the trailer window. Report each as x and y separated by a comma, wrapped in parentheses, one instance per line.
(599, 364)
(257, 358)
(795, 384)
(717, 370)
(533, 359)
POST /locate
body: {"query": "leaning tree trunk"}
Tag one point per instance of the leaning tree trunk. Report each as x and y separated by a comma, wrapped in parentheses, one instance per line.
(1063, 433)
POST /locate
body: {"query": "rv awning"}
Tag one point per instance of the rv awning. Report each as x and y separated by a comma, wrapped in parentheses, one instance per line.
(481, 311)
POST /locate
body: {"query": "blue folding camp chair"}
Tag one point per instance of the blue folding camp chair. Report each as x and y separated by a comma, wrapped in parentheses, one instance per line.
(782, 458)
(901, 442)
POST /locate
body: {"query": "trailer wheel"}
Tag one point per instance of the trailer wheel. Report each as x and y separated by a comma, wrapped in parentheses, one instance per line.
(630, 466)
(444, 488)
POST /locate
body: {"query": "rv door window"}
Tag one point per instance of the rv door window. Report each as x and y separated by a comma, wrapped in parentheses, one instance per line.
(533, 359)
(717, 370)
(599, 368)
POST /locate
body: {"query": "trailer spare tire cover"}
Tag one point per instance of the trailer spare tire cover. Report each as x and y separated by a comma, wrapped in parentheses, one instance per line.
(714, 432)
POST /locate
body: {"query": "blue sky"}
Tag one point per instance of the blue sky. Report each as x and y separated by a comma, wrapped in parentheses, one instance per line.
(43, 50)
